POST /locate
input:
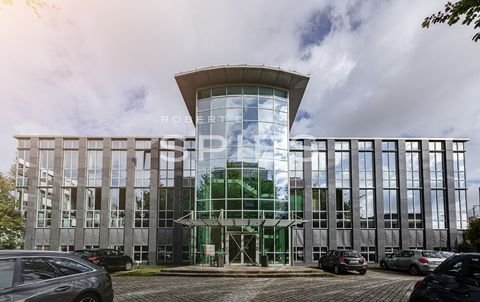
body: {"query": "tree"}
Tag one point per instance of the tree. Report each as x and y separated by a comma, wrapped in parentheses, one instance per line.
(469, 10)
(12, 228)
(472, 234)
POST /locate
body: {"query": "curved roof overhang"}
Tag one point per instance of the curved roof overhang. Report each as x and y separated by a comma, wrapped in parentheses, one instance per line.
(189, 82)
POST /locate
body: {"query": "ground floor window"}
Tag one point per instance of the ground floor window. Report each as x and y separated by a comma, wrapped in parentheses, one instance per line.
(67, 248)
(391, 249)
(140, 254)
(42, 247)
(164, 254)
(298, 254)
(116, 247)
(318, 252)
(369, 253)
(91, 247)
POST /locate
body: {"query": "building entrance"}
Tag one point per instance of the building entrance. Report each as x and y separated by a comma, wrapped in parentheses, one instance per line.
(242, 248)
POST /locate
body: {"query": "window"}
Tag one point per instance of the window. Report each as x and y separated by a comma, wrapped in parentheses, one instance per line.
(119, 144)
(166, 168)
(143, 144)
(460, 185)
(117, 207)
(319, 165)
(94, 168)
(165, 207)
(344, 209)
(42, 247)
(342, 164)
(140, 254)
(296, 168)
(7, 267)
(367, 209)
(142, 163)
(389, 165)
(188, 196)
(319, 251)
(461, 211)
(365, 165)
(44, 207)
(164, 254)
(437, 178)
(119, 168)
(438, 209)
(47, 144)
(95, 144)
(68, 267)
(70, 144)
(118, 249)
(296, 203)
(23, 163)
(69, 206)
(70, 168)
(390, 209)
(93, 207)
(142, 207)
(189, 159)
(24, 143)
(22, 201)
(67, 248)
(46, 173)
(415, 209)
(36, 269)
(319, 208)
(369, 253)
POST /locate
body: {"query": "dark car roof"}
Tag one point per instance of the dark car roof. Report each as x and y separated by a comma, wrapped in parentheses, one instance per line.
(33, 253)
(8, 253)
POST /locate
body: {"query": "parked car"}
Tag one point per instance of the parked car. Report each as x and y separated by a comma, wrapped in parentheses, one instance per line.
(413, 261)
(446, 254)
(341, 261)
(456, 279)
(110, 259)
(51, 276)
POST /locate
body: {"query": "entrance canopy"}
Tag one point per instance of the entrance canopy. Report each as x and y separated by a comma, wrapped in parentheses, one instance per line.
(222, 222)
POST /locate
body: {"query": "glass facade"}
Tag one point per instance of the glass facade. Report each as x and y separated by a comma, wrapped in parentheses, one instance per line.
(437, 183)
(242, 161)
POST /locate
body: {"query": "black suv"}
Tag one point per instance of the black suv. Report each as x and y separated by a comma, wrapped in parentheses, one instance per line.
(456, 279)
(109, 259)
(341, 261)
(51, 276)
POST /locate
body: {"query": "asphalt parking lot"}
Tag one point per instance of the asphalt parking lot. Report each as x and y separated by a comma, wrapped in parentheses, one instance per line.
(376, 285)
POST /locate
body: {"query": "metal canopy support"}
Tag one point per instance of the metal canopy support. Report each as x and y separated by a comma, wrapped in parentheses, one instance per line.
(283, 223)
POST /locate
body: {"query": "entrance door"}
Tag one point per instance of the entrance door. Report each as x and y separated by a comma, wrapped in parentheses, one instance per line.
(242, 248)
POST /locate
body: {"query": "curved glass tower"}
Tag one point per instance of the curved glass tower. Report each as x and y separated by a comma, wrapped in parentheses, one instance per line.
(242, 181)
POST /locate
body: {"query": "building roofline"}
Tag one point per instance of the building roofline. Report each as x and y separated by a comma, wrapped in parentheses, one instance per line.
(190, 81)
(466, 139)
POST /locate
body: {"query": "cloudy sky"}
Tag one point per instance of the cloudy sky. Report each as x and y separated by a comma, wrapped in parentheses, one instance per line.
(107, 67)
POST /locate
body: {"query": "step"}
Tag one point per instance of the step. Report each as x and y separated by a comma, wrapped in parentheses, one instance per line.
(245, 275)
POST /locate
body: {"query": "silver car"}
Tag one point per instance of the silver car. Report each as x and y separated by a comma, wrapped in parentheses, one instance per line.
(413, 261)
(52, 276)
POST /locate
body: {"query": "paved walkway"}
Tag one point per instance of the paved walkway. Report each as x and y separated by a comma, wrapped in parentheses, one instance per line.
(375, 286)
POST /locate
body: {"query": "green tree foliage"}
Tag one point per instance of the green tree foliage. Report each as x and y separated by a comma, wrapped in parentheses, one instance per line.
(469, 10)
(12, 228)
(472, 234)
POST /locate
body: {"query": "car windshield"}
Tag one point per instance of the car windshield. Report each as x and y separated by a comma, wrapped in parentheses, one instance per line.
(350, 254)
(431, 254)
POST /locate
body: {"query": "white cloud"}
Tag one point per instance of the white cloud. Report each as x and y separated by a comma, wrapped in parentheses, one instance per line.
(377, 73)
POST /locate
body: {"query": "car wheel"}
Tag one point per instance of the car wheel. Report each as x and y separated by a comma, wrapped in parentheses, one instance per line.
(88, 297)
(362, 272)
(128, 266)
(383, 265)
(413, 270)
(336, 269)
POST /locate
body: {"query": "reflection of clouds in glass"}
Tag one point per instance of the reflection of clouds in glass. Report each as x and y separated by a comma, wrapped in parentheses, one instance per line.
(249, 133)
